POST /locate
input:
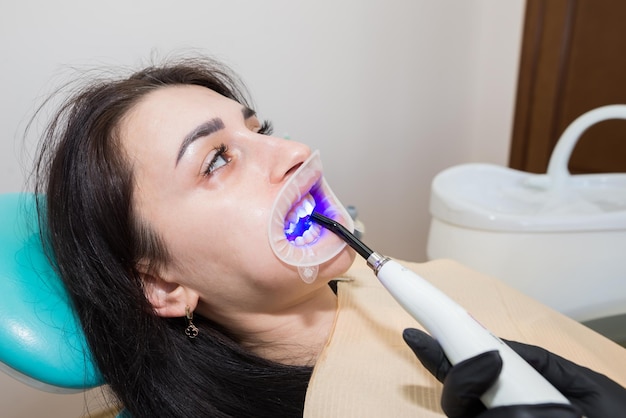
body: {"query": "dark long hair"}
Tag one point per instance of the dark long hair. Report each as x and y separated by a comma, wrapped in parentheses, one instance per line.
(97, 239)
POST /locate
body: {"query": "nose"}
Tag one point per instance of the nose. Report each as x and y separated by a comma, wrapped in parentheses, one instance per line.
(285, 157)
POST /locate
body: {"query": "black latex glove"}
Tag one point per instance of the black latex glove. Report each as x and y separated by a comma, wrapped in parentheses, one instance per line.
(591, 394)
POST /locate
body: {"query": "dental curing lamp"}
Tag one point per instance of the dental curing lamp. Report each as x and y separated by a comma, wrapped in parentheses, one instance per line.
(458, 333)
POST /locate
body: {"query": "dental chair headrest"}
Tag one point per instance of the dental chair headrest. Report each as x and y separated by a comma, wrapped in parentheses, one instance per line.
(41, 341)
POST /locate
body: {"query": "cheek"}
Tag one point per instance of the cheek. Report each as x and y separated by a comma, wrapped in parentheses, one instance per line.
(230, 240)
(249, 219)
(225, 236)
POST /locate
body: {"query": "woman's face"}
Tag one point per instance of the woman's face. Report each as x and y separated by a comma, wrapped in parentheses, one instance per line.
(205, 181)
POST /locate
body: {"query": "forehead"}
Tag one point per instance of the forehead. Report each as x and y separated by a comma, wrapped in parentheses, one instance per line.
(169, 113)
(178, 100)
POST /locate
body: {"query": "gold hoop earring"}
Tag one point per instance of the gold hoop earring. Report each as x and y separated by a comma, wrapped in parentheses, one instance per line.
(191, 331)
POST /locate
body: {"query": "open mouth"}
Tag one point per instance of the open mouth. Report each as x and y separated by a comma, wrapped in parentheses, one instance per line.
(299, 229)
(294, 237)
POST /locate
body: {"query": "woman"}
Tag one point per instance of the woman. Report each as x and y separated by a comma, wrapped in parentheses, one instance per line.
(158, 192)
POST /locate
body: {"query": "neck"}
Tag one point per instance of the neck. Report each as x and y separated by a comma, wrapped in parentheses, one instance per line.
(296, 335)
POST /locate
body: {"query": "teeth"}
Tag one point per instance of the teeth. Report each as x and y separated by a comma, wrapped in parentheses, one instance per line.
(300, 210)
(292, 217)
(308, 205)
(308, 236)
(291, 228)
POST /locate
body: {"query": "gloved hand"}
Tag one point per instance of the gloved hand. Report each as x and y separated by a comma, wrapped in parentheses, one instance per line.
(591, 394)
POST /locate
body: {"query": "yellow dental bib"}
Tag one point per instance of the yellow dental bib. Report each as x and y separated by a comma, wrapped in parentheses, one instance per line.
(366, 369)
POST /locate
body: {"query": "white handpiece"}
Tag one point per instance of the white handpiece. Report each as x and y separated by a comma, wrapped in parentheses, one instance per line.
(462, 337)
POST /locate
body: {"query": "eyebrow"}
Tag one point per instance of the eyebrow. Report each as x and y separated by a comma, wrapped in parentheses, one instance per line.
(206, 129)
(202, 130)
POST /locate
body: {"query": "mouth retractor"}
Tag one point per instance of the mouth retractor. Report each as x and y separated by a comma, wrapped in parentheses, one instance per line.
(297, 240)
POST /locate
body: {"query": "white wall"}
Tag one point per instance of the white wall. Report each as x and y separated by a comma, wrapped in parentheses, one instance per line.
(390, 91)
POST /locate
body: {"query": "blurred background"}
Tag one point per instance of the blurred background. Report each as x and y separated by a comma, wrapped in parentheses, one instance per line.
(391, 92)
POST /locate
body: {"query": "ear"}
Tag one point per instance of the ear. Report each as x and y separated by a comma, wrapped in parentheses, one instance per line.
(169, 299)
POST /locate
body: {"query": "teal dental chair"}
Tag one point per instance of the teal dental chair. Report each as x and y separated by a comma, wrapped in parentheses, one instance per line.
(41, 342)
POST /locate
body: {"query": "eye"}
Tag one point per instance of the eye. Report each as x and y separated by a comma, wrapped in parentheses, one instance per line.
(220, 159)
(266, 128)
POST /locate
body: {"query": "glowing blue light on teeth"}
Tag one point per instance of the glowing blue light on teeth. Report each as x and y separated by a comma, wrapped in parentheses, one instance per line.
(296, 230)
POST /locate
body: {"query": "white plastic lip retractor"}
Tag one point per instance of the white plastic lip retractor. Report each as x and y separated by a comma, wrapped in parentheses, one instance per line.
(306, 185)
